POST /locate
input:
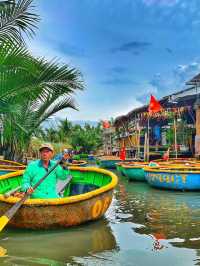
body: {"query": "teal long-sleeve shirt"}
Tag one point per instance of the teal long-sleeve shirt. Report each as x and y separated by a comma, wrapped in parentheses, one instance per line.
(47, 189)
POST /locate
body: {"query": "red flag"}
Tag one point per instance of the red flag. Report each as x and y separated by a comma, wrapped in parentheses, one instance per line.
(154, 105)
(166, 155)
(106, 124)
(122, 155)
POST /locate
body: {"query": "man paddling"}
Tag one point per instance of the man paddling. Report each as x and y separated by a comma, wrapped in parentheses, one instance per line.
(37, 169)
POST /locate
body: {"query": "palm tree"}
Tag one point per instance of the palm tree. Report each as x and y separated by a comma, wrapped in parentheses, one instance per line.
(32, 90)
(16, 18)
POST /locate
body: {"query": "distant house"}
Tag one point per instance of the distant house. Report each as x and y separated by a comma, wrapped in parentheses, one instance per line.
(177, 126)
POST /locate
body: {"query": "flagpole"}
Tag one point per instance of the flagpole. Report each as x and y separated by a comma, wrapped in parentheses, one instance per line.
(145, 146)
(175, 137)
(148, 140)
(138, 143)
(131, 143)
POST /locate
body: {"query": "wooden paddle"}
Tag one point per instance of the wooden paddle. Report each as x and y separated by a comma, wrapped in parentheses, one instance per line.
(11, 212)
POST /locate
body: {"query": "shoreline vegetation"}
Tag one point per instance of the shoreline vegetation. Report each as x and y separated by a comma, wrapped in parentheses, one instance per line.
(32, 88)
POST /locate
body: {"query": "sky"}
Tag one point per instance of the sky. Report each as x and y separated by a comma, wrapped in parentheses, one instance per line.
(125, 49)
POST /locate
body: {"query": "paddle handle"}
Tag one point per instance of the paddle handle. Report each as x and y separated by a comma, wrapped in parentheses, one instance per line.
(65, 185)
(11, 212)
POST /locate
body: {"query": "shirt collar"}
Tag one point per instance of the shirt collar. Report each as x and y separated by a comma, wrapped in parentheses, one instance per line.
(40, 164)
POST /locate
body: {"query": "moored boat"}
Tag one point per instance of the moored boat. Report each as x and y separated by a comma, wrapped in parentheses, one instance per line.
(120, 168)
(86, 198)
(134, 171)
(178, 161)
(77, 163)
(11, 165)
(6, 171)
(173, 177)
(109, 162)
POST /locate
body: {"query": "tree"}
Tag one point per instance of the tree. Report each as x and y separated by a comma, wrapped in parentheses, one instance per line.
(31, 89)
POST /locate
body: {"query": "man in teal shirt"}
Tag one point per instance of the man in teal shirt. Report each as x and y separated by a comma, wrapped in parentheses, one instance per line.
(37, 169)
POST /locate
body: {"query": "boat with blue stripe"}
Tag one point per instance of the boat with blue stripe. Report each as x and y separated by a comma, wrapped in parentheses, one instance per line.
(173, 177)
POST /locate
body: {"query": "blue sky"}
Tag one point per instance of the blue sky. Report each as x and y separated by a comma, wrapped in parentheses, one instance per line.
(125, 49)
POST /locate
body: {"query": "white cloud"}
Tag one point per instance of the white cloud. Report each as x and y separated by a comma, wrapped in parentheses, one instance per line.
(161, 2)
(176, 79)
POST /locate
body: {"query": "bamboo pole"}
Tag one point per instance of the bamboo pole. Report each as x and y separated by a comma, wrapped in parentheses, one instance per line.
(147, 151)
(145, 146)
(139, 133)
(175, 137)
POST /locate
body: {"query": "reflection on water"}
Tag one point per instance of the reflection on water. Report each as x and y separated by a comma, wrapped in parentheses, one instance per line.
(58, 245)
(143, 226)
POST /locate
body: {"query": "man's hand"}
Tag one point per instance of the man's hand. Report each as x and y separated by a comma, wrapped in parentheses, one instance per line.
(30, 190)
(19, 194)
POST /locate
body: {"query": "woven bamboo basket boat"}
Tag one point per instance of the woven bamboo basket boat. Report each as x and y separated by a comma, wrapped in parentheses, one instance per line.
(86, 198)
(11, 165)
(77, 163)
(176, 177)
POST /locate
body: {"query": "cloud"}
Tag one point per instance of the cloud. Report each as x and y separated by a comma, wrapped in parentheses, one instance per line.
(160, 2)
(169, 50)
(117, 81)
(119, 70)
(175, 80)
(135, 47)
(183, 73)
(70, 50)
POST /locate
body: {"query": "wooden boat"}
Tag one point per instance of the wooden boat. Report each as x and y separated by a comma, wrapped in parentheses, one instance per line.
(7, 162)
(120, 168)
(109, 162)
(77, 163)
(178, 161)
(134, 171)
(86, 198)
(6, 171)
(11, 165)
(173, 177)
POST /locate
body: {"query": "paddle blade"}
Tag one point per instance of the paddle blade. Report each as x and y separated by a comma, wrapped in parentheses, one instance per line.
(3, 222)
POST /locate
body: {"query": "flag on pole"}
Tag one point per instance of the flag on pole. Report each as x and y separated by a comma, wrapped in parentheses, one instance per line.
(106, 124)
(166, 155)
(154, 105)
(122, 155)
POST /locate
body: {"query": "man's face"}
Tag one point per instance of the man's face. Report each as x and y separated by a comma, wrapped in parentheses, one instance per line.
(46, 154)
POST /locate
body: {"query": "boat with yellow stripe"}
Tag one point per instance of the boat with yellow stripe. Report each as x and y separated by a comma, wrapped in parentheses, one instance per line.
(134, 170)
(178, 161)
(77, 163)
(11, 165)
(109, 162)
(87, 198)
(176, 177)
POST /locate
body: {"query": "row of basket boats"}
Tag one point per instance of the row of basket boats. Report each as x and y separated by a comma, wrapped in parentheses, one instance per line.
(85, 198)
(176, 174)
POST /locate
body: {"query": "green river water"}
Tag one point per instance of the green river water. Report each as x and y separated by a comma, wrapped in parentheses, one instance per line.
(143, 226)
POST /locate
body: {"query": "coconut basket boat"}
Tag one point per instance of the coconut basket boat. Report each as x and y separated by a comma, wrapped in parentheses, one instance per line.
(175, 177)
(134, 171)
(109, 162)
(77, 163)
(178, 161)
(11, 165)
(87, 198)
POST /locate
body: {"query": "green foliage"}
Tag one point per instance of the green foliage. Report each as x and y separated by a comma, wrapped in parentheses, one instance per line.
(16, 18)
(82, 139)
(31, 89)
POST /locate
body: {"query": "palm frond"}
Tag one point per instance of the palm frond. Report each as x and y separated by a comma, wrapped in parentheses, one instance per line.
(17, 17)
